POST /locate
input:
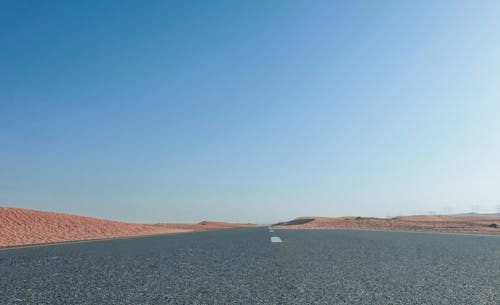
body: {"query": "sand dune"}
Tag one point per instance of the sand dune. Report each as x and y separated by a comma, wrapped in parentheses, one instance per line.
(23, 227)
(441, 223)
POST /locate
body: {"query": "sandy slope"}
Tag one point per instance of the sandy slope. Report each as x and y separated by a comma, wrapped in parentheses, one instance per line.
(23, 226)
(442, 223)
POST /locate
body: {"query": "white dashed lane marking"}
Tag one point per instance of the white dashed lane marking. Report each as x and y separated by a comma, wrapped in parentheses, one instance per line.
(275, 239)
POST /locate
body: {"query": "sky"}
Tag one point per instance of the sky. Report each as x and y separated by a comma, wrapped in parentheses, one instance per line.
(249, 111)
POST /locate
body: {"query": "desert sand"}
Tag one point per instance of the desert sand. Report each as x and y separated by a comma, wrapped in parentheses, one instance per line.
(439, 223)
(25, 227)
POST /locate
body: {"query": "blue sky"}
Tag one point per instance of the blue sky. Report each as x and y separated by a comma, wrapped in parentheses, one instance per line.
(251, 111)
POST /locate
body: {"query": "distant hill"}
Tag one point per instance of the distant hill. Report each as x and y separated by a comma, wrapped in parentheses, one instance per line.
(477, 215)
(441, 223)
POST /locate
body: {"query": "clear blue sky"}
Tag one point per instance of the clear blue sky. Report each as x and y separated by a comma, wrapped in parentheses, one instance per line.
(249, 110)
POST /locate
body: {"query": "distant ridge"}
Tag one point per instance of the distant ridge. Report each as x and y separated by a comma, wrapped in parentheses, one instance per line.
(298, 221)
(441, 223)
(476, 215)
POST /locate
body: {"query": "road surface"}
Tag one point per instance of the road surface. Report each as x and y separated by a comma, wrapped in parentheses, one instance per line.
(243, 266)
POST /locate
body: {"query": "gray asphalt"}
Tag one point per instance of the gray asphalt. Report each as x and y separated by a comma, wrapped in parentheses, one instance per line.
(242, 266)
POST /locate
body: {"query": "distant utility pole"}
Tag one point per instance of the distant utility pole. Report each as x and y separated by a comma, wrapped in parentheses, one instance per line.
(447, 210)
(475, 208)
(498, 209)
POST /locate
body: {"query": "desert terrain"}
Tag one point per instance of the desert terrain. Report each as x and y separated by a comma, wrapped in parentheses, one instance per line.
(25, 227)
(439, 223)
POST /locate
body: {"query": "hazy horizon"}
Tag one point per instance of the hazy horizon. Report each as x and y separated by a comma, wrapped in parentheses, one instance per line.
(445, 212)
(256, 112)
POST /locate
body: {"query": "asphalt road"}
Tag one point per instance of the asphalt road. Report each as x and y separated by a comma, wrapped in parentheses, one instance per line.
(242, 266)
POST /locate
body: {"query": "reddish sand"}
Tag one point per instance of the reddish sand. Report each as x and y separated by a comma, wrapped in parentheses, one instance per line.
(23, 227)
(440, 223)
